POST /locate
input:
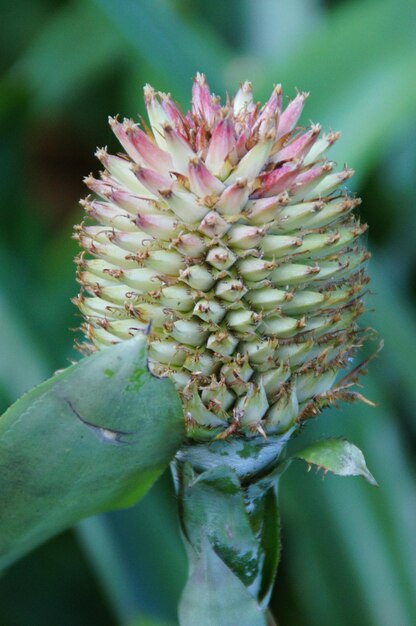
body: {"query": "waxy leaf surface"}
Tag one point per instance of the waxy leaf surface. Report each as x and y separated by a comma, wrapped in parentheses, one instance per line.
(92, 438)
(214, 596)
(337, 456)
(225, 550)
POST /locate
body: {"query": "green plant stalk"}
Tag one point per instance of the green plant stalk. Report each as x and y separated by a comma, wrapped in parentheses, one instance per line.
(229, 518)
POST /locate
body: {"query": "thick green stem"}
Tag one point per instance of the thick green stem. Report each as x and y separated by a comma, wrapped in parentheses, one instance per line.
(229, 519)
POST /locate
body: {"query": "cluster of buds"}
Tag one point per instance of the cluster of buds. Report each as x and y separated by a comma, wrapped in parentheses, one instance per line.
(227, 236)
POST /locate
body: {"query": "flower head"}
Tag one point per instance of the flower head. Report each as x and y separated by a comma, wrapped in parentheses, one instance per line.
(226, 235)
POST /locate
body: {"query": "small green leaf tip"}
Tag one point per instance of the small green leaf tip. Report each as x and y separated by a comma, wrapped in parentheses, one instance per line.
(337, 456)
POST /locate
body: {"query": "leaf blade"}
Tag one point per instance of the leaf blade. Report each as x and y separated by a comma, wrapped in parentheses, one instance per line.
(337, 456)
(202, 604)
(84, 442)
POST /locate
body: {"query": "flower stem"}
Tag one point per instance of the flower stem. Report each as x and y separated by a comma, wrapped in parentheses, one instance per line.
(230, 526)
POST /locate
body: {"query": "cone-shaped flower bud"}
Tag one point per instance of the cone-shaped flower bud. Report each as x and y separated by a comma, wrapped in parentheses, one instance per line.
(202, 182)
(204, 104)
(291, 114)
(220, 149)
(243, 100)
(227, 236)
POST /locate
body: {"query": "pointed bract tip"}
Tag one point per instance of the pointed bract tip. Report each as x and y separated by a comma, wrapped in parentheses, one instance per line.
(246, 87)
(113, 120)
(200, 78)
(333, 137)
(149, 93)
(302, 95)
(347, 173)
(128, 125)
(101, 154)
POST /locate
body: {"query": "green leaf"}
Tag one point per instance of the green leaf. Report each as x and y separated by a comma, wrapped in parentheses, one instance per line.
(214, 596)
(266, 510)
(28, 358)
(182, 48)
(90, 439)
(232, 538)
(397, 326)
(95, 47)
(215, 504)
(337, 456)
(352, 41)
(341, 521)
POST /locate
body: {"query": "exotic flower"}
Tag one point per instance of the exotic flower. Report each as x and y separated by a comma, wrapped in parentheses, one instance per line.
(227, 236)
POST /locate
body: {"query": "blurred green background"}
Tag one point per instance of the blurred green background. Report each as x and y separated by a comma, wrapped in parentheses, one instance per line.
(349, 552)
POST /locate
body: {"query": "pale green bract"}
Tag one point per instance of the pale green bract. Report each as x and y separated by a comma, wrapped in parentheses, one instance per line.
(228, 233)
